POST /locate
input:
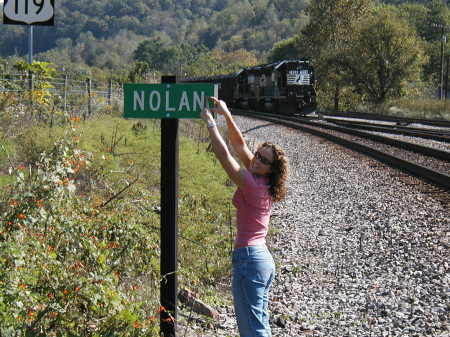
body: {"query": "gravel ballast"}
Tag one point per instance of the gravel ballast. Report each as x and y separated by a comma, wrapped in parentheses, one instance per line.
(359, 251)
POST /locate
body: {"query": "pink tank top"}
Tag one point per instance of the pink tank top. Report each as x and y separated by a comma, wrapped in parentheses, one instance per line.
(253, 208)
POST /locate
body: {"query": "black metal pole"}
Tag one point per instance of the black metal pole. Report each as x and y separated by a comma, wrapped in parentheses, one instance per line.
(441, 87)
(169, 225)
(446, 77)
(89, 92)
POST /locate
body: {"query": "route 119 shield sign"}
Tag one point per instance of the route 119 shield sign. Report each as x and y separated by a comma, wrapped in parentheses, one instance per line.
(28, 12)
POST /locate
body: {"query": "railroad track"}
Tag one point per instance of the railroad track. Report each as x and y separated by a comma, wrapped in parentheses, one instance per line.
(430, 165)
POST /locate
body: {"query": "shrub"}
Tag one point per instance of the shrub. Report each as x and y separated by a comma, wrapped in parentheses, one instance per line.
(67, 268)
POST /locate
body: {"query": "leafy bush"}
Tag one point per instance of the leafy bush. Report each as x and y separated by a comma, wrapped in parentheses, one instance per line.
(66, 265)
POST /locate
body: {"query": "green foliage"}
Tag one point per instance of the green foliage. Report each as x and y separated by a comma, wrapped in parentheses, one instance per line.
(3, 65)
(112, 53)
(332, 24)
(428, 19)
(349, 99)
(42, 73)
(219, 62)
(329, 35)
(153, 53)
(385, 56)
(93, 32)
(344, 57)
(63, 261)
(139, 71)
(287, 49)
(43, 70)
(161, 56)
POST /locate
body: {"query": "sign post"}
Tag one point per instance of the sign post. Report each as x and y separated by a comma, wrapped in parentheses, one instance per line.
(29, 12)
(168, 101)
(30, 44)
(169, 223)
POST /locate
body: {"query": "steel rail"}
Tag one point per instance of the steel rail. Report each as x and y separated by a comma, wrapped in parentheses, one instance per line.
(415, 132)
(373, 116)
(421, 172)
(397, 125)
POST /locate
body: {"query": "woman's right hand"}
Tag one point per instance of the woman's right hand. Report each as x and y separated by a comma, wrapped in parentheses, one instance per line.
(206, 116)
(220, 106)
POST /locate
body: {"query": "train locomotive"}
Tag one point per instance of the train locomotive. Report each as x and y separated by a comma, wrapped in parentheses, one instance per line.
(284, 87)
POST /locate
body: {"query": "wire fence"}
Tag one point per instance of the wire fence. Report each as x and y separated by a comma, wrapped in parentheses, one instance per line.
(77, 97)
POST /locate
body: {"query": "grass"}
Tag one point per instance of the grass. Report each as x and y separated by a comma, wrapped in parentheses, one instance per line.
(423, 108)
(419, 108)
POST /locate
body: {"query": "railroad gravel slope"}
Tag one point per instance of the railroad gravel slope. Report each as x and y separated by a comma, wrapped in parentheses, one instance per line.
(359, 251)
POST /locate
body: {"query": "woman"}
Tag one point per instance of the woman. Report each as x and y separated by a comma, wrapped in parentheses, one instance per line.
(260, 183)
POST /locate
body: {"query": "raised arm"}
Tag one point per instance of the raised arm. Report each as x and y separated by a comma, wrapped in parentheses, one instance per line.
(235, 135)
(220, 149)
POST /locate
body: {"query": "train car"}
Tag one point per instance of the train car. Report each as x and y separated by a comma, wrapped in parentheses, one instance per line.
(226, 85)
(285, 87)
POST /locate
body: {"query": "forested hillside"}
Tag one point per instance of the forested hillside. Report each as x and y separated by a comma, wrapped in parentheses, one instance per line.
(230, 24)
(109, 26)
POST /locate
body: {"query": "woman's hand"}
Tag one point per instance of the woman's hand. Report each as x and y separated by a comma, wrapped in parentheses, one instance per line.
(220, 106)
(207, 116)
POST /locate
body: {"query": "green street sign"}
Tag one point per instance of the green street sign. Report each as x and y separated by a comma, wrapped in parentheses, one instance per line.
(184, 100)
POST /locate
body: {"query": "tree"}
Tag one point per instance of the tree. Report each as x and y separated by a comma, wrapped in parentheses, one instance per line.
(289, 9)
(328, 35)
(168, 57)
(428, 21)
(217, 62)
(332, 23)
(3, 65)
(152, 52)
(385, 56)
(288, 49)
(139, 71)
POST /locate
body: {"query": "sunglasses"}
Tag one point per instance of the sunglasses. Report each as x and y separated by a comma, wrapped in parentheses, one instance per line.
(262, 159)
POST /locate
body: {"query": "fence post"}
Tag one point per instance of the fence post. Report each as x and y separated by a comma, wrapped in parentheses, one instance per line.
(446, 77)
(89, 87)
(110, 91)
(31, 88)
(443, 41)
(65, 92)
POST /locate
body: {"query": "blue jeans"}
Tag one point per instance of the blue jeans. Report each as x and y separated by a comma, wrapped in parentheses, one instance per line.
(253, 272)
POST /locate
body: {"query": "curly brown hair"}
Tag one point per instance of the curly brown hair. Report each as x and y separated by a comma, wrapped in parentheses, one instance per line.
(279, 174)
